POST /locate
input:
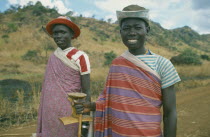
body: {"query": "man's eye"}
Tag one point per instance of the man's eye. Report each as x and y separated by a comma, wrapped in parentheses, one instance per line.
(138, 28)
(126, 28)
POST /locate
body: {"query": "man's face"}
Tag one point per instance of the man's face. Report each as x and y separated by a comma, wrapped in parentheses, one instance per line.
(133, 33)
(62, 36)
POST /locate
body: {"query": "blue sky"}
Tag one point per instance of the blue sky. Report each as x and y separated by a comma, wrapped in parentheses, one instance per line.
(169, 13)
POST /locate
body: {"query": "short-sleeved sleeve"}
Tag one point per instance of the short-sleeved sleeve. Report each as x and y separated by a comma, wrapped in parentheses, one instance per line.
(168, 73)
(83, 63)
(80, 60)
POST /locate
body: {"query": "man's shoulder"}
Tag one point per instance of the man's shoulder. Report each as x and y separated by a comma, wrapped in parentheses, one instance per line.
(75, 53)
(118, 58)
(160, 58)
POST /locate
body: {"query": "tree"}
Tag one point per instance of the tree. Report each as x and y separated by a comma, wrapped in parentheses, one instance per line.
(188, 56)
(48, 47)
(109, 20)
(70, 13)
(109, 56)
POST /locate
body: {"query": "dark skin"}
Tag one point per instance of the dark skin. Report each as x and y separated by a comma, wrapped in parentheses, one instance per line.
(133, 33)
(62, 36)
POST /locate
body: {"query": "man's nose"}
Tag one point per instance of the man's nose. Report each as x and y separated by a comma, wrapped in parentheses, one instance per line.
(132, 31)
(58, 35)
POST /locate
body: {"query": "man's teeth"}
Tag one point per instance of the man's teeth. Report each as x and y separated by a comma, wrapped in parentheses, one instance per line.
(132, 41)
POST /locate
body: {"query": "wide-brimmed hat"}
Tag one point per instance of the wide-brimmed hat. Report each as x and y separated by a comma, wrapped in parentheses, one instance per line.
(66, 21)
(133, 11)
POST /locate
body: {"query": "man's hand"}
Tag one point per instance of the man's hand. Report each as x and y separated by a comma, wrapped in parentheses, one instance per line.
(84, 107)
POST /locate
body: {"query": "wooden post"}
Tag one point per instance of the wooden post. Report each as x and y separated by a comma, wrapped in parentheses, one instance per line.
(80, 126)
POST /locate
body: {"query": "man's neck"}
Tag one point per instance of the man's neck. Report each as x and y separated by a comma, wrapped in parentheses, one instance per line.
(140, 51)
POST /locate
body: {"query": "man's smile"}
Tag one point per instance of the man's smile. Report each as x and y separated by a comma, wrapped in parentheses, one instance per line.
(132, 41)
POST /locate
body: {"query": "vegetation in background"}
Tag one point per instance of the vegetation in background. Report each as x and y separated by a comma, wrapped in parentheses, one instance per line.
(109, 56)
(19, 112)
(5, 37)
(33, 56)
(188, 57)
(205, 57)
(25, 49)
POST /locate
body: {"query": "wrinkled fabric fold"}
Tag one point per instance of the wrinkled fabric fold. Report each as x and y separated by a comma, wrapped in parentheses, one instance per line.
(130, 104)
(59, 80)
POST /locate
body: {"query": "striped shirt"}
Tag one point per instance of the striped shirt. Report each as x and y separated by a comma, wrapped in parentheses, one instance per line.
(79, 59)
(163, 67)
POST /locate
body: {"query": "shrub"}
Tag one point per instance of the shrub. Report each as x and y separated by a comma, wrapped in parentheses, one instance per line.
(205, 57)
(109, 56)
(12, 27)
(6, 38)
(34, 56)
(188, 56)
(38, 9)
(30, 55)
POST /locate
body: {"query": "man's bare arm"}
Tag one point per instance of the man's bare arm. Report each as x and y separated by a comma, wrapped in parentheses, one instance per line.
(85, 82)
(169, 112)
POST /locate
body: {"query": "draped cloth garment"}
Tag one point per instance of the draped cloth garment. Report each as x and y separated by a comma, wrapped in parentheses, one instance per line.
(130, 103)
(59, 80)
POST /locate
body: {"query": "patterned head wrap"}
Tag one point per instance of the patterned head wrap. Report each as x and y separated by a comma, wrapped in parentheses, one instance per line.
(133, 11)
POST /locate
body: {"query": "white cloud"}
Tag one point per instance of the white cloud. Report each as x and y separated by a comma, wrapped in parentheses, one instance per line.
(112, 17)
(169, 13)
(59, 4)
(201, 21)
(87, 13)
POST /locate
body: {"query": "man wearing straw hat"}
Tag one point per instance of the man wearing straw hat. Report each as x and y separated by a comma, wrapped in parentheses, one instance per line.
(138, 84)
(67, 71)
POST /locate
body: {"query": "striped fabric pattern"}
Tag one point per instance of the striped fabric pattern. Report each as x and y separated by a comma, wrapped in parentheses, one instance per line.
(163, 67)
(130, 103)
(79, 58)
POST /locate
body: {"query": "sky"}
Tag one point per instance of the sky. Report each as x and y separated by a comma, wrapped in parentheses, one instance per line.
(170, 14)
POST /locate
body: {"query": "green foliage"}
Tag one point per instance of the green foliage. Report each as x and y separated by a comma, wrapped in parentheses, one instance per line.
(109, 20)
(162, 41)
(188, 56)
(20, 16)
(109, 56)
(34, 56)
(30, 55)
(12, 27)
(96, 87)
(11, 68)
(39, 9)
(102, 35)
(70, 13)
(205, 57)
(5, 37)
(95, 39)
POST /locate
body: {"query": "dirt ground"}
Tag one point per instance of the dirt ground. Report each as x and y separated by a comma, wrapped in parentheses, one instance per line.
(193, 107)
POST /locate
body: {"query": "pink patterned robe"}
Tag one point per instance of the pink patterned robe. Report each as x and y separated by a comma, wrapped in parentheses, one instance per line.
(59, 80)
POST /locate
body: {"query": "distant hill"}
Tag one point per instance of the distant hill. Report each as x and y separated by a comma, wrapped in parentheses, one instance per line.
(37, 15)
(21, 36)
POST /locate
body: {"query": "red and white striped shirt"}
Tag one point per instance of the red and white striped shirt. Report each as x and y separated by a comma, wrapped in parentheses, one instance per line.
(75, 59)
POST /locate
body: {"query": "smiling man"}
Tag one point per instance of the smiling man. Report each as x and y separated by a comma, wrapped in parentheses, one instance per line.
(139, 83)
(68, 70)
